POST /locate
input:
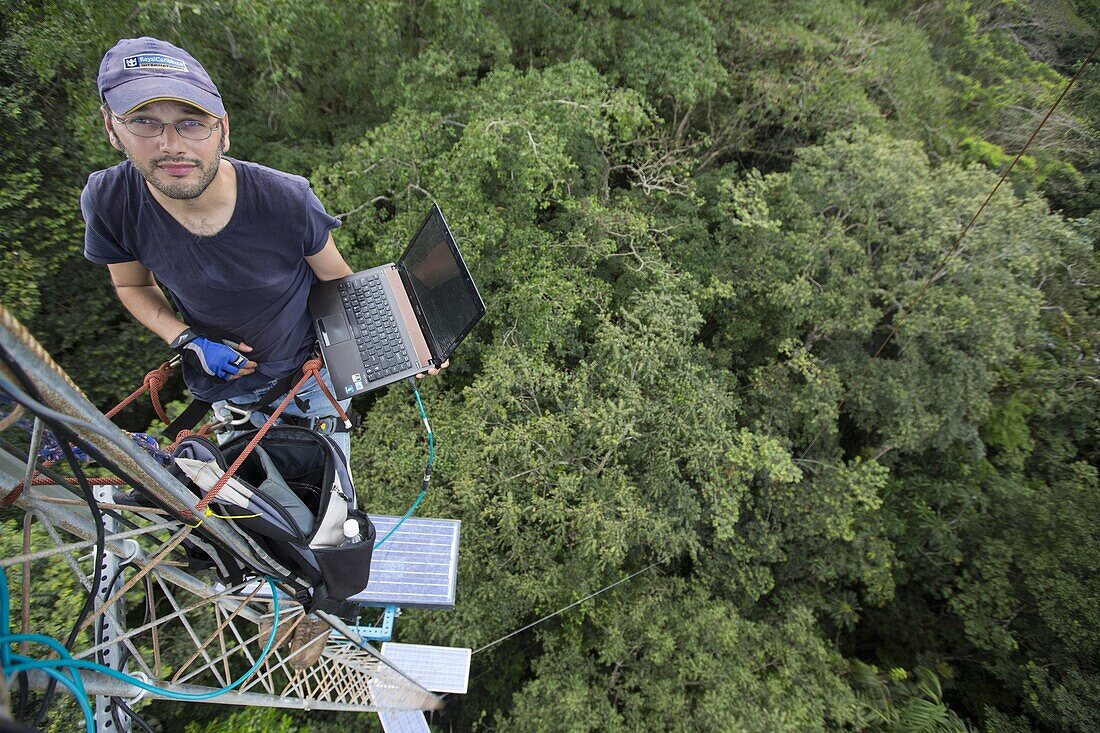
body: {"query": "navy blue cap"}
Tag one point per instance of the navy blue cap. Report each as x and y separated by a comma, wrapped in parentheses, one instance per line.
(138, 71)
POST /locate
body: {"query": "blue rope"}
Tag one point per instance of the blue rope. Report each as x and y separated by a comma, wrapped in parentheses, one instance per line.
(14, 663)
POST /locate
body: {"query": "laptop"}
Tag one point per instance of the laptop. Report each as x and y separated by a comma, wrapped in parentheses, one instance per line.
(394, 321)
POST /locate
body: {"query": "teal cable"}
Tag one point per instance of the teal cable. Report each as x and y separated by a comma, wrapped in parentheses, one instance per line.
(427, 427)
(401, 521)
(427, 469)
(75, 685)
(182, 696)
(67, 662)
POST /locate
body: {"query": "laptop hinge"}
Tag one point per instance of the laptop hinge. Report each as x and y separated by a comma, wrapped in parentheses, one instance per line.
(418, 312)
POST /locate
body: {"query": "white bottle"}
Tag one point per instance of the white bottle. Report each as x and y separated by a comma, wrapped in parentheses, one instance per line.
(351, 532)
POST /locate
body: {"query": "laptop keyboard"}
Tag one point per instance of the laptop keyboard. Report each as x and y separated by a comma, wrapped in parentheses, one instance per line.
(376, 332)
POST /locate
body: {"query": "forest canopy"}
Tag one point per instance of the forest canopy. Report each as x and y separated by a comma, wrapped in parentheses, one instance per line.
(738, 330)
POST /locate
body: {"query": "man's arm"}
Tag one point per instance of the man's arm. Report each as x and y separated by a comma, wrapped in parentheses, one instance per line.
(138, 292)
(328, 264)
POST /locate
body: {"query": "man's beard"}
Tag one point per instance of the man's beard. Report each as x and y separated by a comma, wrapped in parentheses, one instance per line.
(180, 191)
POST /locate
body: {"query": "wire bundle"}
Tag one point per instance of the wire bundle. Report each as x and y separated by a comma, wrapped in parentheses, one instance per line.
(13, 663)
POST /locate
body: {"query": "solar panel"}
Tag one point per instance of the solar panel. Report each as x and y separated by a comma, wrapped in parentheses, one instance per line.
(417, 567)
(406, 721)
(435, 668)
(395, 721)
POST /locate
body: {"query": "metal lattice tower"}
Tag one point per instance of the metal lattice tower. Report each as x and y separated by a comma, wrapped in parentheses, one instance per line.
(186, 632)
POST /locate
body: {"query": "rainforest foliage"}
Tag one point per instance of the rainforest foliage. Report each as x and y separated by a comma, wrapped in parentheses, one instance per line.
(734, 331)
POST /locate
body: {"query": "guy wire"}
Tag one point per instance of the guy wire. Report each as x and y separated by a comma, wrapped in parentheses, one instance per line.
(956, 247)
(566, 608)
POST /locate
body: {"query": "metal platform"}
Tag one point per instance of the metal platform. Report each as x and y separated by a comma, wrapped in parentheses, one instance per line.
(435, 668)
(404, 721)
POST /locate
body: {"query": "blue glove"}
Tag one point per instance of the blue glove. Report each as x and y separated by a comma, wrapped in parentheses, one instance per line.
(213, 357)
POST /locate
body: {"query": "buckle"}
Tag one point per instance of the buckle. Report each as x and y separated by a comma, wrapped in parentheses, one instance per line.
(326, 425)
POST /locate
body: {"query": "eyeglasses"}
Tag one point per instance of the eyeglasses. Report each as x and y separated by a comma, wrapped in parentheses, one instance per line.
(147, 127)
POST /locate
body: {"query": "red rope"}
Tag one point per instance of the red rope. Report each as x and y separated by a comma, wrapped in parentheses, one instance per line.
(153, 381)
(40, 480)
(202, 432)
(314, 366)
(14, 494)
(311, 369)
(105, 481)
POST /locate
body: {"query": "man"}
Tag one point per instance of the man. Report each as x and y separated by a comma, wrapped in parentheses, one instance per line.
(238, 245)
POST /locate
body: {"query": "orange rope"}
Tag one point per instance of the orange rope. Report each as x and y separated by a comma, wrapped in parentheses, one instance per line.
(202, 432)
(153, 381)
(311, 369)
(105, 481)
(314, 366)
(40, 480)
(11, 497)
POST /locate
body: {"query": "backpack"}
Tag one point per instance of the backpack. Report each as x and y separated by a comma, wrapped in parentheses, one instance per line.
(292, 497)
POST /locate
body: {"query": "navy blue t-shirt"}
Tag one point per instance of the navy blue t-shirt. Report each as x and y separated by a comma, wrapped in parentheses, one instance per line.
(249, 281)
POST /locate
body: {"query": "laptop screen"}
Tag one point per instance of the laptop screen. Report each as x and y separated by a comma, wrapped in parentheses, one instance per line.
(442, 288)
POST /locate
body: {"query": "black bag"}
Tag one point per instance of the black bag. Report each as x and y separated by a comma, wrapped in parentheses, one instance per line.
(292, 496)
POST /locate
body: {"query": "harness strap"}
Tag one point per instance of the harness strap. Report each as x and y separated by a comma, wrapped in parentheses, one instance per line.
(186, 420)
(281, 388)
(326, 424)
(195, 411)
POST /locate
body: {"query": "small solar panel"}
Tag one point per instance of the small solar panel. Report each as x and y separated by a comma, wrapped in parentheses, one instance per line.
(435, 668)
(417, 567)
(395, 721)
(405, 721)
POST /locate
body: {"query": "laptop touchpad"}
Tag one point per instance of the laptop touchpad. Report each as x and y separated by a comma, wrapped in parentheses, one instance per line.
(334, 329)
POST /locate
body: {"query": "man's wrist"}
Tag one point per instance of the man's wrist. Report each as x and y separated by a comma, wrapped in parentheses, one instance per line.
(185, 337)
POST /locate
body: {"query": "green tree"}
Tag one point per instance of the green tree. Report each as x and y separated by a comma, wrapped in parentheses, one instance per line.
(696, 225)
(663, 657)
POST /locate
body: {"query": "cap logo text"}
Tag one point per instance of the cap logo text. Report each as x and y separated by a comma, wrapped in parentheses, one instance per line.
(153, 61)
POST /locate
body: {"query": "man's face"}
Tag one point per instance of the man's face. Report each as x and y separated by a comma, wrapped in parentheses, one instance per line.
(178, 167)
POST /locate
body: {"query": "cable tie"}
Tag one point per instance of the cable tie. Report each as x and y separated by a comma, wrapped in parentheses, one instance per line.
(132, 549)
(141, 691)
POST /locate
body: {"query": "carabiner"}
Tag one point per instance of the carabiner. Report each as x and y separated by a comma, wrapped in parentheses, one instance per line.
(245, 415)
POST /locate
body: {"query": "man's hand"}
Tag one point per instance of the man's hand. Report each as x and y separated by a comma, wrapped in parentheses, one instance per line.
(223, 360)
(433, 371)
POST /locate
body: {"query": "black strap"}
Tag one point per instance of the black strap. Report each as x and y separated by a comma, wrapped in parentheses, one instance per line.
(186, 420)
(325, 424)
(284, 385)
(195, 411)
(281, 388)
